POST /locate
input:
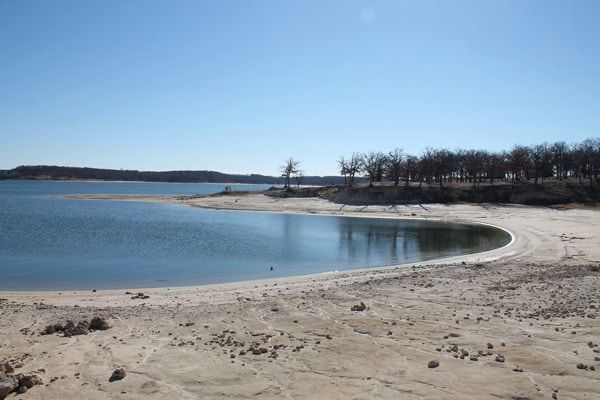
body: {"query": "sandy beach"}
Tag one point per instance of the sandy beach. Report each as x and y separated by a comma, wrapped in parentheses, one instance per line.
(521, 322)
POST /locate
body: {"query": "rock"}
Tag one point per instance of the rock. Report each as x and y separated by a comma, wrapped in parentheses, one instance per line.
(581, 366)
(359, 307)
(8, 385)
(99, 324)
(19, 383)
(117, 375)
(433, 364)
(28, 381)
(7, 368)
(499, 358)
(81, 328)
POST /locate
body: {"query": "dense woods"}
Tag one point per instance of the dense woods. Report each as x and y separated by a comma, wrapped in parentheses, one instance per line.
(442, 166)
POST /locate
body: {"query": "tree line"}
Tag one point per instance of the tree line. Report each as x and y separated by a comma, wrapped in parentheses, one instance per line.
(51, 172)
(440, 166)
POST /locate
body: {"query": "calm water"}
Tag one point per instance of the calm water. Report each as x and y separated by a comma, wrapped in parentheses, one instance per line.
(48, 243)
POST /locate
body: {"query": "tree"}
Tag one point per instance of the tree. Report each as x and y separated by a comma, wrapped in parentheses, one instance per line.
(560, 159)
(541, 162)
(426, 165)
(290, 167)
(349, 168)
(411, 169)
(299, 177)
(443, 165)
(372, 165)
(519, 161)
(394, 165)
(344, 166)
(588, 159)
(475, 163)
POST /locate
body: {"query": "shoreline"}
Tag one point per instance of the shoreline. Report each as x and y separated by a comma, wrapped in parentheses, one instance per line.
(534, 302)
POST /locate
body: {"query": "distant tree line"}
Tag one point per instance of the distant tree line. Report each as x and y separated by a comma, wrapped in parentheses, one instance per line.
(75, 173)
(440, 166)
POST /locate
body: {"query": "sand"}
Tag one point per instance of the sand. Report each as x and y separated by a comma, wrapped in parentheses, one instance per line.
(512, 323)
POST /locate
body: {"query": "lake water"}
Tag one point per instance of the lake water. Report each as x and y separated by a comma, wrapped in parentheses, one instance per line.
(50, 243)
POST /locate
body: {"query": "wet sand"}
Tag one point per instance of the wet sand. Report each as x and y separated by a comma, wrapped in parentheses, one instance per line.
(517, 322)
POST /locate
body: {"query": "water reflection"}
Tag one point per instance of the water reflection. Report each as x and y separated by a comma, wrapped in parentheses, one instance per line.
(410, 240)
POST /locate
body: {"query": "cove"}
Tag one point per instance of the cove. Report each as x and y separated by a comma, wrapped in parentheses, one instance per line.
(63, 244)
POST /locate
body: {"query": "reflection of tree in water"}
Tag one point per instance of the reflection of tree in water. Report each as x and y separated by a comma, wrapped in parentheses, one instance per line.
(397, 242)
(453, 239)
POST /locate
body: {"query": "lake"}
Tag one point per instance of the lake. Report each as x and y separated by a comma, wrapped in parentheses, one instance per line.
(51, 243)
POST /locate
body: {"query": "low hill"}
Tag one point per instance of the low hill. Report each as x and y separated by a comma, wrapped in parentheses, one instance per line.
(50, 172)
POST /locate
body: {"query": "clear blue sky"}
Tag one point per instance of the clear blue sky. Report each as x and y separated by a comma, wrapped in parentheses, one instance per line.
(240, 86)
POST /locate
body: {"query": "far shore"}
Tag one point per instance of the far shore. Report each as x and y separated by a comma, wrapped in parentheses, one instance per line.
(516, 322)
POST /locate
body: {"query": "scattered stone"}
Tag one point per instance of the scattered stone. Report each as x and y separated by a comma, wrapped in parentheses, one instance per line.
(140, 295)
(500, 358)
(433, 364)
(8, 384)
(81, 328)
(19, 383)
(359, 307)
(99, 324)
(117, 375)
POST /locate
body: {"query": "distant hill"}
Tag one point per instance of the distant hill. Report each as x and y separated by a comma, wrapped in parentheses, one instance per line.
(50, 172)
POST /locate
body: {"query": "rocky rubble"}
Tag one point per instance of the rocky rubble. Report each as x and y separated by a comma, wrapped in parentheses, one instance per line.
(84, 327)
(19, 383)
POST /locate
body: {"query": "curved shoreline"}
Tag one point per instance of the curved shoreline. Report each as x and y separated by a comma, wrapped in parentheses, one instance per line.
(535, 301)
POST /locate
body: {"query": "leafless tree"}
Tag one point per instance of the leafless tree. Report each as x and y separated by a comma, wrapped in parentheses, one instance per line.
(394, 166)
(290, 167)
(353, 166)
(344, 167)
(541, 162)
(560, 158)
(373, 164)
(519, 161)
(299, 177)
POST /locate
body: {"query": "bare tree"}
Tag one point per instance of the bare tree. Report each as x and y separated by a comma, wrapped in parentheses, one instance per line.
(299, 177)
(395, 163)
(372, 165)
(541, 165)
(588, 159)
(475, 163)
(290, 167)
(426, 165)
(411, 169)
(519, 161)
(443, 165)
(344, 167)
(349, 168)
(560, 158)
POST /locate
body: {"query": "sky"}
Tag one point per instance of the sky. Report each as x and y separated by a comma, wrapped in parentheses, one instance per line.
(240, 86)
